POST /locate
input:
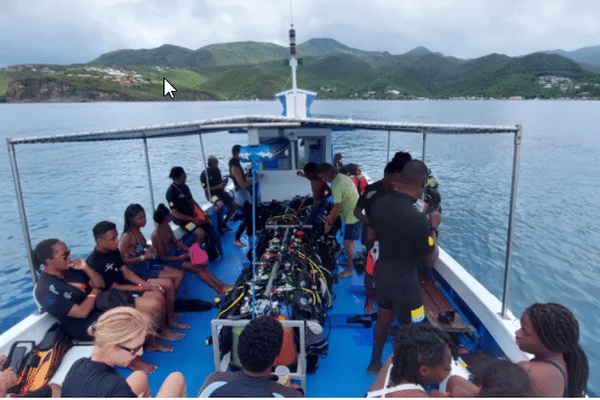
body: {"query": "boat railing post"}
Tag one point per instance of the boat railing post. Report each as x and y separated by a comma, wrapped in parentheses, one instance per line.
(21, 204)
(513, 199)
(424, 146)
(149, 174)
(205, 168)
(388, 147)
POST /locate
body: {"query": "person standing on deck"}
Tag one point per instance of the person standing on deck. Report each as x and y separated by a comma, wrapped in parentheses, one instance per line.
(320, 190)
(345, 197)
(243, 195)
(362, 211)
(406, 238)
(211, 179)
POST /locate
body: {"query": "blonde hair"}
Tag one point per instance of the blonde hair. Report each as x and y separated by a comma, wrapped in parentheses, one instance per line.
(120, 325)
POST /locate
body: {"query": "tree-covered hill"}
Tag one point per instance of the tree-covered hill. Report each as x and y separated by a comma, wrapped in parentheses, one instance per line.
(251, 70)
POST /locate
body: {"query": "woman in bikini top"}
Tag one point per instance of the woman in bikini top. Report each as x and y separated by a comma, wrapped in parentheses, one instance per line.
(559, 367)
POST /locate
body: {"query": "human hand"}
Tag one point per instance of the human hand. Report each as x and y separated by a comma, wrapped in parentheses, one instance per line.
(8, 378)
(157, 288)
(78, 264)
(2, 361)
(150, 252)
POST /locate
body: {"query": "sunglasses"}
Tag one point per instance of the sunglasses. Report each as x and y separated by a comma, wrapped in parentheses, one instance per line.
(132, 351)
(65, 255)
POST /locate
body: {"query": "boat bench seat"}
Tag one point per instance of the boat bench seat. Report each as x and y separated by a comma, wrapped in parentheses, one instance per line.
(75, 353)
(438, 310)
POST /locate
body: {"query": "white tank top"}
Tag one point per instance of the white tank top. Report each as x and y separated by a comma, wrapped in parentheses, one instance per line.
(388, 390)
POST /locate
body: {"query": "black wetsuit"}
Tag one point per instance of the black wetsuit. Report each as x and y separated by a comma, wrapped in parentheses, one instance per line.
(403, 235)
(88, 378)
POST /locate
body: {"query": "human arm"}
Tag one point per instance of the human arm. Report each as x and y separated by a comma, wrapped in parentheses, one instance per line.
(545, 379)
(96, 279)
(358, 213)
(431, 258)
(84, 309)
(8, 379)
(132, 277)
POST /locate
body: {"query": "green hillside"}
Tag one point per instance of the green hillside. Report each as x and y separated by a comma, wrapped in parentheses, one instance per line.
(251, 70)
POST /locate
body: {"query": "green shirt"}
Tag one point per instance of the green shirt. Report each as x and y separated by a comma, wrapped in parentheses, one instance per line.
(345, 193)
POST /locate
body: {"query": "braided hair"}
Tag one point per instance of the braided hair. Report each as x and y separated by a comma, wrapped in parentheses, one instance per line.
(558, 330)
(417, 344)
(131, 212)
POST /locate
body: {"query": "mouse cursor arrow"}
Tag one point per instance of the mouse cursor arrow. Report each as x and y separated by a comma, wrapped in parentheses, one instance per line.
(168, 89)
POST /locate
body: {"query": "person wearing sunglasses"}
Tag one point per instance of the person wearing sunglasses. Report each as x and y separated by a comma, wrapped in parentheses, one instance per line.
(70, 290)
(119, 337)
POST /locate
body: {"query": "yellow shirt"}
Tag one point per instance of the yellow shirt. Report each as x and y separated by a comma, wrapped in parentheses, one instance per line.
(345, 193)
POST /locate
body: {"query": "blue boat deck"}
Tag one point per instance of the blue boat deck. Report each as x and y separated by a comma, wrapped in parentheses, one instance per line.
(342, 373)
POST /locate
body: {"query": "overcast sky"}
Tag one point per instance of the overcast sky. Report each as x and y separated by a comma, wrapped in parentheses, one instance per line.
(76, 31)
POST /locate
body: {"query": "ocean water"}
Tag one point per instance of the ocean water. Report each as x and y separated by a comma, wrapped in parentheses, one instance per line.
(556, 256)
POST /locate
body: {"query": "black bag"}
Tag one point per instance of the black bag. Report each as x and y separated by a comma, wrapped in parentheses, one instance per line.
(114, 298)
(182, 305)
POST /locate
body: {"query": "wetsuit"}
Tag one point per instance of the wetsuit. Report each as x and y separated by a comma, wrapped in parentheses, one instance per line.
(404, 239)
(214, 179)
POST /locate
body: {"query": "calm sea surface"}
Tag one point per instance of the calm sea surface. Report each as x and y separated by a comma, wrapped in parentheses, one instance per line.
(556, 256)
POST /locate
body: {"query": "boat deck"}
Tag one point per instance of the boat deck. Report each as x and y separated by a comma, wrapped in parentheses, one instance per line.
(349, 344)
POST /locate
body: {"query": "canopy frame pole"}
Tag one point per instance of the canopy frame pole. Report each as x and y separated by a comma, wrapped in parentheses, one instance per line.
(205, 168)
(388, 147)
(149, 174)
(513, 201)
(424, 146)
(22, 213)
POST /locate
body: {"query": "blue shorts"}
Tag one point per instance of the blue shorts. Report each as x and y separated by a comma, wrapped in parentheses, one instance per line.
(353, 231)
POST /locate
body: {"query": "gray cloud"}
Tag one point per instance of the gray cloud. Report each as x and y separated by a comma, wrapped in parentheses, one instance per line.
(71, 31)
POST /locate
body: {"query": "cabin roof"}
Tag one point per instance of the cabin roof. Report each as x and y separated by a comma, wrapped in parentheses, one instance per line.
(256, 121)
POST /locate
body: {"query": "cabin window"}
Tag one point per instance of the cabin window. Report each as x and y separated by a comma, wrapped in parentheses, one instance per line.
(282, 154)
(309, 149)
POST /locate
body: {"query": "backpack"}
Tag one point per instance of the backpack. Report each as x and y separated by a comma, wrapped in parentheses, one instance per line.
(37, 367)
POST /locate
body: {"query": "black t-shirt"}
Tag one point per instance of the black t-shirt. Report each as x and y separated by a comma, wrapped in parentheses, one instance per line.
(372, 193)
(57, 297)
(238, 384)
(109, 266)
(88, 378)
(403, 235)
(180, 199)
(214, 177)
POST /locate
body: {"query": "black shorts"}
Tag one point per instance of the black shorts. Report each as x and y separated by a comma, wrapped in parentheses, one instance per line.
(223, 196)
(115, 298)
(404, 298)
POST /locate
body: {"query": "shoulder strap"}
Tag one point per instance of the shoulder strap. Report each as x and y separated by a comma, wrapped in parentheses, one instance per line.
(564, 375)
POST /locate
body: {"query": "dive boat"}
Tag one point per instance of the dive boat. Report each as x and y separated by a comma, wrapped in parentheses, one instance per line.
(280, 146)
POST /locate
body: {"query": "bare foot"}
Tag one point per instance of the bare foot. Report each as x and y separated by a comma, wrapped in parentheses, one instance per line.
(224, 290)
(369, 307)
(140, 365)
(238, 243)
(159, 347)
(345, 273)
(179, 315)
(178, 325)
(170, 336)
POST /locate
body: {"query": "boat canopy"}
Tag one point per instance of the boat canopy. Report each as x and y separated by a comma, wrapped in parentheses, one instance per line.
(253, 123)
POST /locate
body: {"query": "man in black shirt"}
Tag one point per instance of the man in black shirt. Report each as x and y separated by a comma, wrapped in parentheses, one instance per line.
(258, 347)
(406, 238)
(147, 297)
(216, 184)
